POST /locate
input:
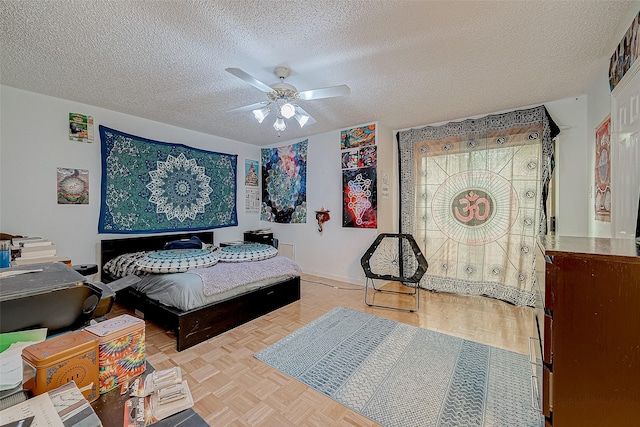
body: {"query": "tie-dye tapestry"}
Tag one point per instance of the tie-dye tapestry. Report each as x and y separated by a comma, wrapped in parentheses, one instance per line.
(150, 186)
(472, 194)
(284, 183)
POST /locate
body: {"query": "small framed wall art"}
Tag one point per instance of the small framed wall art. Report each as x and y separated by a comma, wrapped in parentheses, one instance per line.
(73, 186)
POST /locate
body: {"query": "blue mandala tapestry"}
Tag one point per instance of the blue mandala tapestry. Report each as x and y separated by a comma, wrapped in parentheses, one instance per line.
(284, 183)
(151, 187)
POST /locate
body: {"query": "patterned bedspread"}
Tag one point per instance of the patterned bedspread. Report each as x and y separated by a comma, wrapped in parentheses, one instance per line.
(224, 275)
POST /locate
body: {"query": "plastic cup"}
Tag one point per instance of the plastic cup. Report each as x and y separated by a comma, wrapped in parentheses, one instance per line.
(5, 253)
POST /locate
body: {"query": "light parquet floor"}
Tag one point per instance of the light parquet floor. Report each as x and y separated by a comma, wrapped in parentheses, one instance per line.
(232, 388)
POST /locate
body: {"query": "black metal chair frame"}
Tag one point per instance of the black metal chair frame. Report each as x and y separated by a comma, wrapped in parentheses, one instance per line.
(422, 266)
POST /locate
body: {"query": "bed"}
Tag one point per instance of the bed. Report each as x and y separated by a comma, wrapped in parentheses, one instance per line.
(195, 325)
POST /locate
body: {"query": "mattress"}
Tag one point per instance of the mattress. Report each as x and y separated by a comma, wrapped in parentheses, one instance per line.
(185, 290)
(197, 287)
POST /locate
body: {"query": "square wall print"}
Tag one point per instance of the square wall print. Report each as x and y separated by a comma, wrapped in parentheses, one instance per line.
(73, 186)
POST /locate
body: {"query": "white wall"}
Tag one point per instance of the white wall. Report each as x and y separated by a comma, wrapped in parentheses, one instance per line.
(598, 108)
(335, 253)
(34, 142)
(572, 166)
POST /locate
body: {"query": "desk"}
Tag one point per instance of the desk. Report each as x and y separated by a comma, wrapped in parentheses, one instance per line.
(110, 409)
(54, 296)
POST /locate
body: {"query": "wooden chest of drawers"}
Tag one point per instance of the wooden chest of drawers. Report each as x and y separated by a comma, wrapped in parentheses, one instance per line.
(591, 332)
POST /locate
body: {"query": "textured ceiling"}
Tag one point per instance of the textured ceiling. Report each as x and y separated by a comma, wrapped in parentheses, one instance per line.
(408, 63)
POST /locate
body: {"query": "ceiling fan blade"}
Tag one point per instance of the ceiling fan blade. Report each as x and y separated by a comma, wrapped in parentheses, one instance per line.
(301, 115)
(252, 106)
(249, 79)
(327, 92)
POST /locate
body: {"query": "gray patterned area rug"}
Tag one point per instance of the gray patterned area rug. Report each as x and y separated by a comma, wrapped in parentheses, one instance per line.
(401, 375)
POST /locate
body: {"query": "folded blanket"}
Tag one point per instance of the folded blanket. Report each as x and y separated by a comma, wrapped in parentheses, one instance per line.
(226, 275)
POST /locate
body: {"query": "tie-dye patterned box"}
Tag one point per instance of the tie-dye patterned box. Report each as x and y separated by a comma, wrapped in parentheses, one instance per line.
(121, 344)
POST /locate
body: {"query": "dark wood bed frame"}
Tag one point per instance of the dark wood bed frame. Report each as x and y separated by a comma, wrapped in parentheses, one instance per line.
(195, 326)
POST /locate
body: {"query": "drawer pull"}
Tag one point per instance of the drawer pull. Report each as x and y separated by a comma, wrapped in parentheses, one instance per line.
(270, 292)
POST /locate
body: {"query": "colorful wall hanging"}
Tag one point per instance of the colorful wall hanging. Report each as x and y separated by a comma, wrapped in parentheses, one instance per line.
(80, 127)
(368, 157)
(359, 186)
(360, 200)
(251, 173)
(603, 171)
(73, 186)
(358, 137)
(472, 195)
(625, 54)
(150, 186)
(350, 159)
(284, 183)
(252, 191)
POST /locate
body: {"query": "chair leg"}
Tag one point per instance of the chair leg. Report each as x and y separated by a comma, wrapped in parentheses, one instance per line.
(415, 293)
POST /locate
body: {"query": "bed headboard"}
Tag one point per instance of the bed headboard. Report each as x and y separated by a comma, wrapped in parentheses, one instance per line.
(111, 248)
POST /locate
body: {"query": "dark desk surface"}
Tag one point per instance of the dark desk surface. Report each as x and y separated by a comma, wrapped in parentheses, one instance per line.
(110, 410)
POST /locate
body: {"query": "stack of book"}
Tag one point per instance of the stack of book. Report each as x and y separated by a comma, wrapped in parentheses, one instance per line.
(33, 250)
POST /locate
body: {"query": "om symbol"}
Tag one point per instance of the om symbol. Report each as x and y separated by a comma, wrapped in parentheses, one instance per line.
(473, 207)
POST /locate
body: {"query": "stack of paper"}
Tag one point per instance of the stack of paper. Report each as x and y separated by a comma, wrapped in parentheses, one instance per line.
(162, 394)
(11, 345)
(64, 406)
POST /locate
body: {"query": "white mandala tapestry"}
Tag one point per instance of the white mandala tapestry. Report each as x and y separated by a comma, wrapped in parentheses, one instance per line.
(179, 188)
(472, 195)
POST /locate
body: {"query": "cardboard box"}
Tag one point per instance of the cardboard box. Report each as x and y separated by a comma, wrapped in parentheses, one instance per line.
(56, 361)
(122, 350)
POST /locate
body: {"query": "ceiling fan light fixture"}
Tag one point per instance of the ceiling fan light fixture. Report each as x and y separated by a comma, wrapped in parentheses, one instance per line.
(280, 125)
(288, 110)
(281, 96)
(261, 113)
(301, 118)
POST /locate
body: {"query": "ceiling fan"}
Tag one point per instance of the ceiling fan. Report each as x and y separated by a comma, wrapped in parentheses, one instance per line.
(282, 98)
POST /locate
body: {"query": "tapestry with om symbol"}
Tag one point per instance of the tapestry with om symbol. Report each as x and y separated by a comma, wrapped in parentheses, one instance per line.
(472, 193)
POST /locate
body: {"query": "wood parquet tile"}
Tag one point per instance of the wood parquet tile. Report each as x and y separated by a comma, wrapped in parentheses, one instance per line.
(232, 388)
